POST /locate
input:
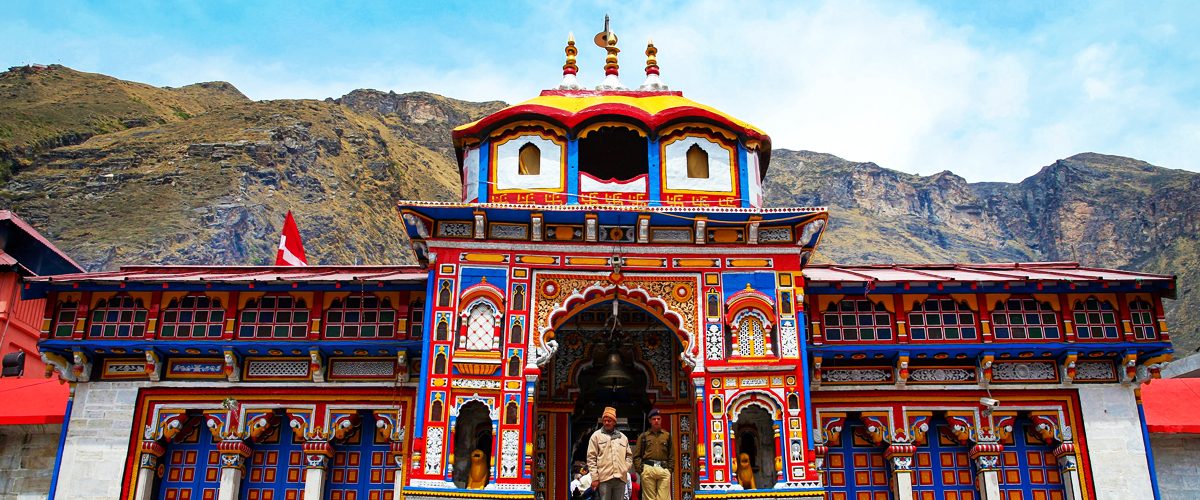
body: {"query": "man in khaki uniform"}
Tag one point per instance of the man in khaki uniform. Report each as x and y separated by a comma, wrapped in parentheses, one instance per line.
(653, 459)
(609, 458)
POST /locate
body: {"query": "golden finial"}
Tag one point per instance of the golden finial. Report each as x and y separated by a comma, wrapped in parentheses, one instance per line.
(651, 58)
(608, 40)
(610, 62)
(570, 68)
(653, 83)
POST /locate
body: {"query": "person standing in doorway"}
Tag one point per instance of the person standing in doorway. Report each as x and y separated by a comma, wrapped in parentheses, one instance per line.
(609, 458)
(653, 459)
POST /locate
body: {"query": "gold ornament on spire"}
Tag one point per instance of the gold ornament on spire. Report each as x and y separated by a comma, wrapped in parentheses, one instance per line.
(608, 41)
(651, 58)
(570, 68)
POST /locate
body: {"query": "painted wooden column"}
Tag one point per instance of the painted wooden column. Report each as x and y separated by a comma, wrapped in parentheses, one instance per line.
(1065, 453)
(779, 448)
(151, 453)
(900, 464)
(233, 467)
(316, 463)
(398, 481)
(987, 469)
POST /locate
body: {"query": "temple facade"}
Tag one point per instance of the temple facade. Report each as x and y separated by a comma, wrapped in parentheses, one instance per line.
(610, 248)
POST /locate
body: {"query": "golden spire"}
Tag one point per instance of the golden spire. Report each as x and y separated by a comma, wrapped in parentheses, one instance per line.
(651, 57)
(608, 40)
(610, 61)
(653, 83)
(570, 68)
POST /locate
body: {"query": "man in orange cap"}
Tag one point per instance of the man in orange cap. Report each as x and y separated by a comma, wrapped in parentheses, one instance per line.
(609, 458)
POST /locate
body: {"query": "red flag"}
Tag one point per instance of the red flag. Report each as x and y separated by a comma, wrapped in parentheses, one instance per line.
(291, 249)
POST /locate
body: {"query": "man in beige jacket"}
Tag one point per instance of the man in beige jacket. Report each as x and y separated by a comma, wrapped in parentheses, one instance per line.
(609, 458)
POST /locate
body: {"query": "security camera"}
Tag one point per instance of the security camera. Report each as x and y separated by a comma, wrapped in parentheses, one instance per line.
(989, 402)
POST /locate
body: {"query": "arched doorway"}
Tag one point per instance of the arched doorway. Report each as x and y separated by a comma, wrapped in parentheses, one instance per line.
(630, 361)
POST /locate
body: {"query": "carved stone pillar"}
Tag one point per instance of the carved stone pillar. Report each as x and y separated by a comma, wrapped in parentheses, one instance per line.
(316, 462)
(987, 469)
(1065, 453)
(900, 464)
(233, 466)
(151, 452)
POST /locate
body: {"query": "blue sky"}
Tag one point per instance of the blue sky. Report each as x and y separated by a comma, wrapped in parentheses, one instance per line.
(992, 91)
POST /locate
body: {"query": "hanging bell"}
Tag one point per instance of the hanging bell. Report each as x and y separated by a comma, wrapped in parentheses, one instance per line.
(614, 376)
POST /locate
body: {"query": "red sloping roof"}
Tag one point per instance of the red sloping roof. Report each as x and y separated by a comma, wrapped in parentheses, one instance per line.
(42, 401)
(1172, 405)
(1014, 271)
(410, 274)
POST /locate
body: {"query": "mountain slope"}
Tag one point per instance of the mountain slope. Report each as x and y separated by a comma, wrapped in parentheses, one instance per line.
(43, 107)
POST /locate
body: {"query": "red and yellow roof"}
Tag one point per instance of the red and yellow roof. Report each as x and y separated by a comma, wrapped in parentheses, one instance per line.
(571, 108)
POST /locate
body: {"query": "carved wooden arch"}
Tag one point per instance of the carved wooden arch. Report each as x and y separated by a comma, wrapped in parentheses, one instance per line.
(750, 299)
(766, 400)
(668, 309)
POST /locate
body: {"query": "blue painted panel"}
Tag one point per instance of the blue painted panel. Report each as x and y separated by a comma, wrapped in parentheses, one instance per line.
(485, 178)
(191, 468)
(471, 276)
(360, 468)
(762, 281)
(855, 469)
(654, 179)
(426, 361)
(573, 172)
(276, 468)
(1029, 467)
(943, 467)
(743, 185)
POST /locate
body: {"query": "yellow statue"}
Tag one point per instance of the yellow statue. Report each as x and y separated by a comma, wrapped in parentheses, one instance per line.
(478, 476)
(745, 474)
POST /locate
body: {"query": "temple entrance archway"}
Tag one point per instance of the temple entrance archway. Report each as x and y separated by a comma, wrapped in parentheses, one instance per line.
(642, 354)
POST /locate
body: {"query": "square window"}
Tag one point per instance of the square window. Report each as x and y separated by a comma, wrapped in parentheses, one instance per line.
(952, 333)
(335, 316)
(866, 320)
(281, 331)
(167, 331)
(333, 331)
(266, 316)
(935, 320)
(850, 320)
(185, 316)
(300, 317)
(917, 320)
(1035, 332)
(832, 320)
(283, 317)
(202, 316)
(351, 330)
(387, 316)
(968, 333)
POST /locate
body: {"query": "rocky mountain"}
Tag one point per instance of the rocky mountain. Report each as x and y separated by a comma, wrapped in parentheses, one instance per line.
(118, 172)
(1099, 210)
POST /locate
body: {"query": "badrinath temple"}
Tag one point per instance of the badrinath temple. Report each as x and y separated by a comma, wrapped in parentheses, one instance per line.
(611, 248)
